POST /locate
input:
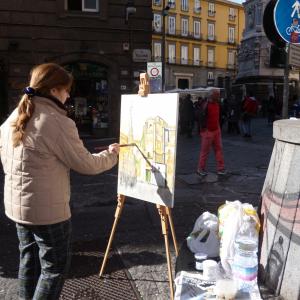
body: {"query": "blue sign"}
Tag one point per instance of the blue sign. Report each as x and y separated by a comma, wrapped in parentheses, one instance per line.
(287, 20)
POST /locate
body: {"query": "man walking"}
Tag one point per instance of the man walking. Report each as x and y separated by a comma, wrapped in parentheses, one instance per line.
(210, 133)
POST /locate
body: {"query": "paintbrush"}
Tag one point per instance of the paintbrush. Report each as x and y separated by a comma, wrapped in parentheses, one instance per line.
(101, 148)
(129, 145)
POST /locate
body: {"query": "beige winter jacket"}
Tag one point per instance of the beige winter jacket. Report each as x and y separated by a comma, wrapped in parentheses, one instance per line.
(37, 179)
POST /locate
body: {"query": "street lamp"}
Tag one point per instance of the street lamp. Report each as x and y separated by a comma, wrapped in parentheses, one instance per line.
(163, 48)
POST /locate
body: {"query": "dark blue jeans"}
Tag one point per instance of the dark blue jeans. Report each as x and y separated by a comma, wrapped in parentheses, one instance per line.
(44, 259)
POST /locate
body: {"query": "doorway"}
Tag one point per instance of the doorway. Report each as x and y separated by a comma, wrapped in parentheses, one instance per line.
(89, 99)
(183, 83)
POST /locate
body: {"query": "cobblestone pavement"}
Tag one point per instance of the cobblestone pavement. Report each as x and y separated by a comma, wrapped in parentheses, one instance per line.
(138, 238)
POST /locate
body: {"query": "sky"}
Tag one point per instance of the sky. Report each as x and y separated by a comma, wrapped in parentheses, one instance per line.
(238, 1)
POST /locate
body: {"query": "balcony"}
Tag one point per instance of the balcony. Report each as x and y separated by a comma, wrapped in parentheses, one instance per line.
(211, 38)
(189, 34)
(157, 2)
(231, 17)
(231, 66)
(184, 8)
(211, 64)
(197, 10)
(157, 28)
(179, 61)
(211, 13)
(231, 41)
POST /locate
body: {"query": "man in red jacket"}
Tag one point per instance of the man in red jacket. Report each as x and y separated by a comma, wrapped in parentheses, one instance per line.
(210, 133)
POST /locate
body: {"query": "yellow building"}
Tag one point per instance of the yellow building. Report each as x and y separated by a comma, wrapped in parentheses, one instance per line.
(201, 39)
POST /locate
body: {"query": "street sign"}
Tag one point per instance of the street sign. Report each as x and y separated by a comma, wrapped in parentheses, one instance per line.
(294, 58)
(286, 18)
(154, 70)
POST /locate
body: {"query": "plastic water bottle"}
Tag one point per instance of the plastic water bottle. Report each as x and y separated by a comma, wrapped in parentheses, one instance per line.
(245, 264)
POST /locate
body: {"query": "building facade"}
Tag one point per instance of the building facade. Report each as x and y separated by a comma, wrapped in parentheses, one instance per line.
(105, 44)
(200, 38)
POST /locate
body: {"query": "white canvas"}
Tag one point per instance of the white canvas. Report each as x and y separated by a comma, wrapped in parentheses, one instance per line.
(147, 170)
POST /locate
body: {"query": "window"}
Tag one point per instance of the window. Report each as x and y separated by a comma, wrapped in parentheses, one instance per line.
(231, 35)
(210, 57)
(172, 53)
(172, 25)
(157, 23)
(211, 9)
(83, 5)
(231, 59)
(172, 3)
(210, 75)
(157, 51)
(184, 27)
(184, 5)
(211, 31)
(197, 7)
(197, 29)
(157, 2)
(184, 55)
(196, 56)
(231, 13)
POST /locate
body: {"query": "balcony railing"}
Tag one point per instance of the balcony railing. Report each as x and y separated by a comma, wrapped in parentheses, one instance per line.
(189, 34)
(179, 61)
(211, 38)
(197, 10)
(157, 2)
(211, 13)
(231, 66)
(231, 17)
(231, 41)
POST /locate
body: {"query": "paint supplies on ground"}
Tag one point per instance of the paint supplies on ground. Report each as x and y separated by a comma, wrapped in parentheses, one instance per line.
(231, 218)
(204, 237)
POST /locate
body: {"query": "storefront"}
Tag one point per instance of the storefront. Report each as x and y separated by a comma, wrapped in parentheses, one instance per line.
(89, 104)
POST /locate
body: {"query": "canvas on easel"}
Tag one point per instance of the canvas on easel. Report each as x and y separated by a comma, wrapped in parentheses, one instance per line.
(147, 160)
(147, 170)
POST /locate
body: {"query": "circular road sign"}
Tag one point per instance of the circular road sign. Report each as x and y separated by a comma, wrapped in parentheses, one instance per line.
(287, 19)
(154, 72)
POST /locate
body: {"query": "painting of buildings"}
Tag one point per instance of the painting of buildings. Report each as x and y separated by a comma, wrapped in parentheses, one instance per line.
(147, 167)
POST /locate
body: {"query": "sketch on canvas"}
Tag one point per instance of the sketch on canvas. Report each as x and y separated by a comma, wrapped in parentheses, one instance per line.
(147, 169)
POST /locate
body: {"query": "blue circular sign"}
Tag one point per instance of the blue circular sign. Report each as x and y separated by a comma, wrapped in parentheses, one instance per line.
(287, 20)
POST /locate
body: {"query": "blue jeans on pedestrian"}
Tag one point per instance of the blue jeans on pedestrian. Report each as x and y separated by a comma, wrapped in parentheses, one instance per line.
(44, 259)
(246, 125)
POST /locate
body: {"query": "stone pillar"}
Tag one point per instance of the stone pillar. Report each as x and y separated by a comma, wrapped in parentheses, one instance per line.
(280, 214)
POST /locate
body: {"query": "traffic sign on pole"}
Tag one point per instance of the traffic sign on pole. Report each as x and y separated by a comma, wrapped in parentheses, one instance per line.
(287, 20)
(154, 70)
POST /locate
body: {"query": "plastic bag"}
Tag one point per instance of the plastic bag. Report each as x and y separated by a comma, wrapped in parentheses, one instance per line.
(204, 237)
(230, 220)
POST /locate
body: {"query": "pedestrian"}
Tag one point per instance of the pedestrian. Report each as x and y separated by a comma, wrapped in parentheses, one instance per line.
(210, 133)
(39, 145)
(271, 109)
(249, 111)
(197, 111)
(233, 115)
(187, 115)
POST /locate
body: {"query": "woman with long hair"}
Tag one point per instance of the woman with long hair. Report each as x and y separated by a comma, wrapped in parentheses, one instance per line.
(39, 145)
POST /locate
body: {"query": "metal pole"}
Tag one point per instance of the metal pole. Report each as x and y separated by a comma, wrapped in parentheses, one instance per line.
(285, 100)
(163, 48)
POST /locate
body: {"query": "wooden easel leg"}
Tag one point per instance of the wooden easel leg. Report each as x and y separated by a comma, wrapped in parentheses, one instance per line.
(164, 225)
(121, 200)
(172, 230)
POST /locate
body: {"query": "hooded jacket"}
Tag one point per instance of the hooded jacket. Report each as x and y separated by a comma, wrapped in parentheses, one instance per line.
(37, 172)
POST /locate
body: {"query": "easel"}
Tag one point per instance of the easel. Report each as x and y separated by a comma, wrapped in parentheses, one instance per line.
(164, 212)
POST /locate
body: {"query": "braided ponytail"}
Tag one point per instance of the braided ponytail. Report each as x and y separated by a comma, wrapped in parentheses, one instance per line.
(25, 111)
